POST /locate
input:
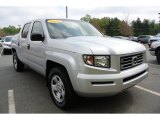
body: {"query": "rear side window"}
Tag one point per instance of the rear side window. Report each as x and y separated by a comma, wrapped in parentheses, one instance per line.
(25, 30)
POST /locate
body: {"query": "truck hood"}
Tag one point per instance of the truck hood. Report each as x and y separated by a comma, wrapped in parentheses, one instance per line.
(100, 45)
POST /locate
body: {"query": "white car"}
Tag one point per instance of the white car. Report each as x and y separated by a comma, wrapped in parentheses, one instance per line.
(7, 42)
(1, 41)
(153, 39)
(155, 50)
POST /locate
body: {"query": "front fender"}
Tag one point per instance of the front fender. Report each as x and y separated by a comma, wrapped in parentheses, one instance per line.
(68, 61)
(64, 59)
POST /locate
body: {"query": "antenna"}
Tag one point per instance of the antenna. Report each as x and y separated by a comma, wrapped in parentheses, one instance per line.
(66, 12)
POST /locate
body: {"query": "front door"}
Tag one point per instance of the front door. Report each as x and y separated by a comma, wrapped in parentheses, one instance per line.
(36, 49)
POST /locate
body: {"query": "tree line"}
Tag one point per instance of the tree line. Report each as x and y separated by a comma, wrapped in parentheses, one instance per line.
(10, 30)
(117, 27)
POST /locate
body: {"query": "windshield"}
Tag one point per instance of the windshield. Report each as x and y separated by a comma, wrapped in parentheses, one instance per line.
(69, 28)
(8, 39)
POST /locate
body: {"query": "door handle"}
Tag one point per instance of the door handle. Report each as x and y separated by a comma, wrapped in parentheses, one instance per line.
(18, 43)
(28, 46)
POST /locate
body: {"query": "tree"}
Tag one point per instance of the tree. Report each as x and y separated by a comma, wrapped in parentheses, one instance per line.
(100, 24)
(96, 22)
(125, 29)
(145, 27)
(137, 26)
(113, 27)
(86, 18)
(152, 29)
(10, 30)
(2, 34)
(103, 24)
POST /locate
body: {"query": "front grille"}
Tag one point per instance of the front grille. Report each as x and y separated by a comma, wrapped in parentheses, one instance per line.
(127, 62)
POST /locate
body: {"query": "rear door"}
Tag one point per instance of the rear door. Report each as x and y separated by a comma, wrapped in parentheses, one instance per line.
(23, 43)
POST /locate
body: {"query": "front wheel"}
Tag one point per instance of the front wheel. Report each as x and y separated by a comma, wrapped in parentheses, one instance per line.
(158, 57)
(60, 88)
(17, 64)
(149, 45)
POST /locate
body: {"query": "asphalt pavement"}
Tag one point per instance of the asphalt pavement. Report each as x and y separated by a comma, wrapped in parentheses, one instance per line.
(31, 94)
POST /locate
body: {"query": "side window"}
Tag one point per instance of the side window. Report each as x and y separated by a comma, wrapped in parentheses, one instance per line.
(25, 30)
(37, 28)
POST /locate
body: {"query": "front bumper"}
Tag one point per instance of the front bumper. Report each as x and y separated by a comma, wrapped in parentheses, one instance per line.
(6, 47)
(152, 51)
(109, 84)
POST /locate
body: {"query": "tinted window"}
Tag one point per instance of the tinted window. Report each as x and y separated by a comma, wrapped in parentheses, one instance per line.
(25, 30)
(8, 39)
(37, 28)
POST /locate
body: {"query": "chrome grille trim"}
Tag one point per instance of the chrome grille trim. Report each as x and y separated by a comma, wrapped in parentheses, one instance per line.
(130, 61)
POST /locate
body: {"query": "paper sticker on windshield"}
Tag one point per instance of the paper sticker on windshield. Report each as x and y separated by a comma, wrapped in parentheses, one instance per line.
(54, 21)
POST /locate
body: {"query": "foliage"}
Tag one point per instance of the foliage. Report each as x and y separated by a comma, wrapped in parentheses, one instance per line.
(116, 27)
(10, 30)
(125, 29)
(86, 18)
(112, 28)
(145, 27)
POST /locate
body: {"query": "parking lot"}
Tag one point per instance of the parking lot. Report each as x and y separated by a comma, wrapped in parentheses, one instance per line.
(27, 92)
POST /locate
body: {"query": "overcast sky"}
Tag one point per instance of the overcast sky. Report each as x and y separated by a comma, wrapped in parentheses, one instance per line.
(17, 15)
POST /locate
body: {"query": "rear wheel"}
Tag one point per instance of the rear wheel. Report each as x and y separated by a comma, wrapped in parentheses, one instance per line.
(158, 57)
(60, 88)
(17, 64)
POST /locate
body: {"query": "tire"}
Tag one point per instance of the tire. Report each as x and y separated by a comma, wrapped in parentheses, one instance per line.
(158, 57)
(4, 52)
(149, 45)
(60, 88)
(17, 64)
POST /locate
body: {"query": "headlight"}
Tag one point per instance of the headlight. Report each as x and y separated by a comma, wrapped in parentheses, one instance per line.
(97, 60)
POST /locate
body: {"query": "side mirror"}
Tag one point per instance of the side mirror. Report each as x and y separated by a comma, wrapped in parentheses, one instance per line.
(37, 37)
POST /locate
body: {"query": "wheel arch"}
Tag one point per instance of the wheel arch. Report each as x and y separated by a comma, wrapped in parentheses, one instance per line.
(13, 50)
(51, 64)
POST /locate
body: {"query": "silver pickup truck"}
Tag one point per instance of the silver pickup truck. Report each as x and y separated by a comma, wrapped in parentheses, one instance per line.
(78, 60)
